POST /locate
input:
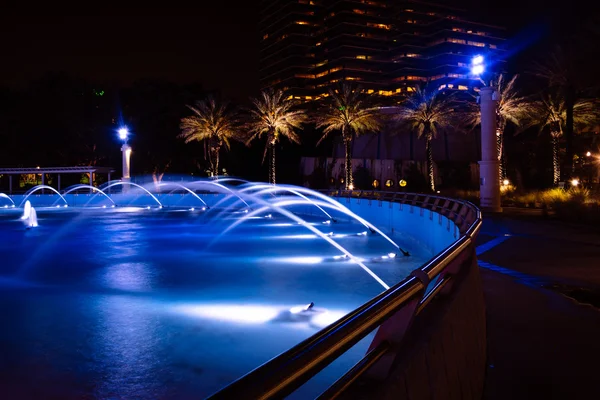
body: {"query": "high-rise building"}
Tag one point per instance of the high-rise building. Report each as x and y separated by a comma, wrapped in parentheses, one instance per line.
(387, 46)
(287, 54)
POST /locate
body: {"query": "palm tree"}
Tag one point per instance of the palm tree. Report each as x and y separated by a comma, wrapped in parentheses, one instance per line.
(427, 112)
(214, 123)
(511, 108)
(550, 114)
(273, 115)
(348, 112)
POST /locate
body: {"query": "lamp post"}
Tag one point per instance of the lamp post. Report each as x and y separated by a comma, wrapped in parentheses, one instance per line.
(489, 166)
(126, 151)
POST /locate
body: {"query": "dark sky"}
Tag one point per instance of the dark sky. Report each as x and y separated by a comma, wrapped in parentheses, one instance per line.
(216, 44)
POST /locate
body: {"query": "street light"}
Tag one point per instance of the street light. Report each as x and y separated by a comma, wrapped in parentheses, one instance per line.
(588, 154)
(126, 150)
(477, 65)
(123, 133)
(489, 166)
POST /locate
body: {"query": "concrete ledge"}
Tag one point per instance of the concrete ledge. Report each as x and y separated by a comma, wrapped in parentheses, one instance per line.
(443, 355)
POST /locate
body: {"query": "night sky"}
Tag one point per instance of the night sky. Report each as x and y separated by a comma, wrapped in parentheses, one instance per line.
(215, 45)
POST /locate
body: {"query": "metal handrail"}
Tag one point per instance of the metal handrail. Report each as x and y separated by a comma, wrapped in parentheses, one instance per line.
(288, 371)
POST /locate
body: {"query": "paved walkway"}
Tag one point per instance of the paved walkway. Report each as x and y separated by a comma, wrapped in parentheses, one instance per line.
(541, 342)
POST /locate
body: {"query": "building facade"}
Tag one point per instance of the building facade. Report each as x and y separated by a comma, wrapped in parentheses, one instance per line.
(387, 46)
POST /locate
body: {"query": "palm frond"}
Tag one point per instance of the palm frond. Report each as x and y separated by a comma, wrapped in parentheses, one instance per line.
(274, 115)
(511, 107)
(348, 111)
(550, 114)
(428, 111)
(211, 120)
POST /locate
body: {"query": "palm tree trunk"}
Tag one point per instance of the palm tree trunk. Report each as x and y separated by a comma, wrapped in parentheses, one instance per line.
(215, 160)
(569, 105)
(555, 160)
(429, 162)
(348, 164)
(500, 147)
(272, 164)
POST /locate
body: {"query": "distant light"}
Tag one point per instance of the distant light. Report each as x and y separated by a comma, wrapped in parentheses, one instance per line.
(58, 206)
(506, 182)
(402, 183)
(477, 69)
(575, 182)
(351, 187)
(147, 208)
(38, 167)
(192, 209)
(589, 153)
(477, 60)
(391, 255)
(123, 133)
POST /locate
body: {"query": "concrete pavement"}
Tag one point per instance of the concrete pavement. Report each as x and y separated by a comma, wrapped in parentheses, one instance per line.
(543, 334)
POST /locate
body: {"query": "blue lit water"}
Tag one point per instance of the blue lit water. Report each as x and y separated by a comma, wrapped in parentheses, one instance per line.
(134, 303)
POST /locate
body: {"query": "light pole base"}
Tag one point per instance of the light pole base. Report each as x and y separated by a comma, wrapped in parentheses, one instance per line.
(489, 186)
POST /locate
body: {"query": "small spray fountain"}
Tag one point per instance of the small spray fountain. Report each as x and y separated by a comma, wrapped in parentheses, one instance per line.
(29, 216)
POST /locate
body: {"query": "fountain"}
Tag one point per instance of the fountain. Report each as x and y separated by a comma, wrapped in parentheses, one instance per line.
(269, 265)
(29, 216)
(5, 196)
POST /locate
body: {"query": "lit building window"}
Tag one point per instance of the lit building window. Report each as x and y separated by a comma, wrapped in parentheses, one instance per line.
(302, 23)
(450, 86)
(459, 41)
(412, 55)
(442, 87)
(462, 87)
(357, 11)
(477, 44)
(453, 75)
(410, 89)
(266, 35)
(398, 90)
(370, 91)
(381, 26)
(493, 46)
(361, 57)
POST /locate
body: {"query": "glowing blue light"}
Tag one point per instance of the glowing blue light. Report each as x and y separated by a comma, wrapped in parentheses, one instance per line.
(391, 255)
(477, 60)
(477, 69)
(192, 209)
(123, 133)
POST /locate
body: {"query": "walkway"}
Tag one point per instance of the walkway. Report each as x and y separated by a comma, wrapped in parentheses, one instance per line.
(542, 288)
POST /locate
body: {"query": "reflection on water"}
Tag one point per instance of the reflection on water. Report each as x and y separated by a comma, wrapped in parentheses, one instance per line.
(133, 304)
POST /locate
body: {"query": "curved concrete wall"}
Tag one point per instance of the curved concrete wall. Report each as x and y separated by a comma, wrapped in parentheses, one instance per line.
(432, 230)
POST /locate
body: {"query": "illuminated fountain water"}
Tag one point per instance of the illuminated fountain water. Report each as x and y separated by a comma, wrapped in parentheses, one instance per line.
(29, 216)
(5, 196)
(38, 188)
(268, 265)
